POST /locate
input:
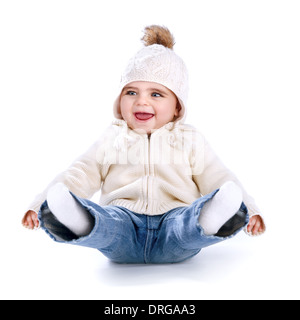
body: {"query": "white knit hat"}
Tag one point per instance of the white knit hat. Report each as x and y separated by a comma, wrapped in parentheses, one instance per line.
(157, 62)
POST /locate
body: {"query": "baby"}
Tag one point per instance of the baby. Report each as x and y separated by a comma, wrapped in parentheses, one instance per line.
(165, 194)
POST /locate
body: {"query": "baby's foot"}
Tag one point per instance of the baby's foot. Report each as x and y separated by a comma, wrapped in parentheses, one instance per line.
(223, 206)
(67, 211)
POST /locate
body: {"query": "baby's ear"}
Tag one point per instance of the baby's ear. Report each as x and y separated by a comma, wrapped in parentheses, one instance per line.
(178, 108)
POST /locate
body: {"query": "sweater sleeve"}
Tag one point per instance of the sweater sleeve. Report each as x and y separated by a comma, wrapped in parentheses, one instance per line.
(83, 177)
(210, 174)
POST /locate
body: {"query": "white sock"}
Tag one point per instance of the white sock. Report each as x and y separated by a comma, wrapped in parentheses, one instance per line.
(67, 211)
(223, 206)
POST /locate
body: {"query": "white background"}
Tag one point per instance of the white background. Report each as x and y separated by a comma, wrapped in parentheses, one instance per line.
(60, 65)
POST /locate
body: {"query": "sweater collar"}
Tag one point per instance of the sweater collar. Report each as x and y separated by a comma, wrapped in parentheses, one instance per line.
(169, 126)
(128, 137)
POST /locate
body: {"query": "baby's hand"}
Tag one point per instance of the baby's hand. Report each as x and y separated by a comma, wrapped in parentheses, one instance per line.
(30, 220)
(255, 225)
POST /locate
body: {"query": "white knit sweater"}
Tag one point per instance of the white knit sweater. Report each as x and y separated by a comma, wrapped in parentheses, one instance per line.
(147, 174)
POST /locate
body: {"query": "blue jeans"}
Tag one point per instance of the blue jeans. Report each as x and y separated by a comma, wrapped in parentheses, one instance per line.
(127, 237)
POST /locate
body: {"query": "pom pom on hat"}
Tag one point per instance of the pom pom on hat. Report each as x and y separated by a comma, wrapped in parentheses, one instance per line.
(158, 35)
(157, 62)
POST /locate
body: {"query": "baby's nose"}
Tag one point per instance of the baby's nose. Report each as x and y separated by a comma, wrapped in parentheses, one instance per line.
(142, 100)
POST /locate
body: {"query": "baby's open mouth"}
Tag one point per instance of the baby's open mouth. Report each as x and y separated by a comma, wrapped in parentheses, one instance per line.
(143, 116)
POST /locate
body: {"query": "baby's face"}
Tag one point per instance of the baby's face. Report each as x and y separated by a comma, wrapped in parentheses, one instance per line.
(148, 105)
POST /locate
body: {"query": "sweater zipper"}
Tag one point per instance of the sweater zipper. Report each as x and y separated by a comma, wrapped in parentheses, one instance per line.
(147, 170)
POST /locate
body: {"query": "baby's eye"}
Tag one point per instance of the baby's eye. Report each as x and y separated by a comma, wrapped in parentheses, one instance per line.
(131, 93)
(156, 95)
